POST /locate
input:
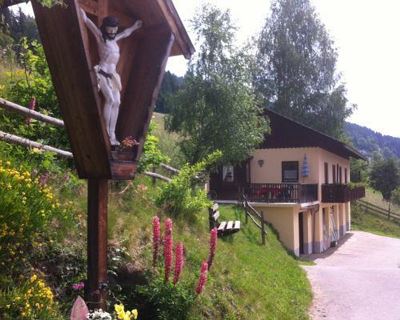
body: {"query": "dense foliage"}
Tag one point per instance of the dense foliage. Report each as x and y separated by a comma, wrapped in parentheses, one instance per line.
(183, 196)
(385, 176)
(152, 156)
(296, 74)
(27, 210)
(170, 85)
(216, 108)
(369, 142)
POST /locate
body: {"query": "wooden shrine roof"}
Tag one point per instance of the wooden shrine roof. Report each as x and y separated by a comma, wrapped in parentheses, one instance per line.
(71, 52)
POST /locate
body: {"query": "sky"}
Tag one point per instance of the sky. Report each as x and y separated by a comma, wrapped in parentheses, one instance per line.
(366, 34)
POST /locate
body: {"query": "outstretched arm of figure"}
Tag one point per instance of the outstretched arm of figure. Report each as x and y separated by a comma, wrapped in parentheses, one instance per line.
(128, 31)
(91, 26)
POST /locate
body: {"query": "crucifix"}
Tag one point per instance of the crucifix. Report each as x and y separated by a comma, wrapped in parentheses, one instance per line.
(86, 53)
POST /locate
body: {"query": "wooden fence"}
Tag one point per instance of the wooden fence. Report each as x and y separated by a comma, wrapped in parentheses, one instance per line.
(382, 212)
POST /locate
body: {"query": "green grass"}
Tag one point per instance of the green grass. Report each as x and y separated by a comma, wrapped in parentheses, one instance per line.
(247, 280)
(168, 142)
(375, 197)
(365, 221)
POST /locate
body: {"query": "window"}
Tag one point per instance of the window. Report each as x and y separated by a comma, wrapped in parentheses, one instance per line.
(227, 173)
(345, 175)
(290, 171)
(326, 173)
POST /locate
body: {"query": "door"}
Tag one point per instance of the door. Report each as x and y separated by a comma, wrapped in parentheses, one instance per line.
(301, 233)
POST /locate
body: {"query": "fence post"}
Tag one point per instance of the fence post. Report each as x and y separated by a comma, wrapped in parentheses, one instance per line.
(153, 179)
(389, 211)
(245, 211)
(262, 227)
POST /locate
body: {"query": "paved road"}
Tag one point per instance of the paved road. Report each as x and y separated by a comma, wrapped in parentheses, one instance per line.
(360, 279)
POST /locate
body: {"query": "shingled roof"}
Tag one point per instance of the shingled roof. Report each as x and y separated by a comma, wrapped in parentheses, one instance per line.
(287, 133)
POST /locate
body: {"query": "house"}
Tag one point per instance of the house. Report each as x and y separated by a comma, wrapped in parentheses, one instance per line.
(298, 179)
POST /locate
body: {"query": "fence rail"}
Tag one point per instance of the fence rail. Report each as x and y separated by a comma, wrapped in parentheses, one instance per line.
(374, 209)
(255, 216)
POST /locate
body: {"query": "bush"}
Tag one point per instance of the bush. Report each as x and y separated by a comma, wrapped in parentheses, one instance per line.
(32, 299)
(164, 301)
(182, 196)
(29, 215)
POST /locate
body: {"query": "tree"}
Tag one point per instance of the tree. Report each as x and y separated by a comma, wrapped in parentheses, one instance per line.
(359, 170)
(170, 85)
(296, 62)
(385, 176)
(216, 109)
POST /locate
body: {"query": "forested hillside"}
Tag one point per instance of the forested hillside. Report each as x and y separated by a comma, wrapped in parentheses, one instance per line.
(369, 142)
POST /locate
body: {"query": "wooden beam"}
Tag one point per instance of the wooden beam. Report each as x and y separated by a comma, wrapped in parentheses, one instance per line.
(10, 138)
(175, 23)
(75, 83)
(30, 113)
(102, 11)
(89, 6)
(96, 291)
(157, 176)
(169, 168)
(144, 84)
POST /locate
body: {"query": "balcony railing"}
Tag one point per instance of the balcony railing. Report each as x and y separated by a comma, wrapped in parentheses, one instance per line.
(281, 192)
(340, 193)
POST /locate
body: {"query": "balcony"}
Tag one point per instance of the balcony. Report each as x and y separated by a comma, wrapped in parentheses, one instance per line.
(340, 193)
(281, 192)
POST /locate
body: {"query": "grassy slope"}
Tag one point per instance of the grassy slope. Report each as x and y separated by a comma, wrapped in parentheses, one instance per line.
(373, 223)
(247, 281)
(375, 197)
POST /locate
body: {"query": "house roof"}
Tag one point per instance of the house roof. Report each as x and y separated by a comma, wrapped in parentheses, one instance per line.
(287, 133)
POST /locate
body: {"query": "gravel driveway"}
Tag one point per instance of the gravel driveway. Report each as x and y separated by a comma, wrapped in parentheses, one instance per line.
(359, 279)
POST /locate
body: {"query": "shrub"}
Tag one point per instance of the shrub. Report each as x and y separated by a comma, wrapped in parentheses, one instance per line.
(182, 196)
(152, 156)
(165, 301)
(32, 299)
(29, 214)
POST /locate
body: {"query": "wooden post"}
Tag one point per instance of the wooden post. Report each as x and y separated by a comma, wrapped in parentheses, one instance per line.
(262, 227)
(96, 289)
(153, 179)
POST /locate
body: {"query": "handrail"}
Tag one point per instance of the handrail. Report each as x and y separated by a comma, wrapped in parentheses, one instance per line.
(8, 137)
(11, 106)
(249, 212)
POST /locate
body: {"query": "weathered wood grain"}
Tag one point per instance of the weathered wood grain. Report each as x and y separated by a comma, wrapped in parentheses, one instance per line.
(60, 31)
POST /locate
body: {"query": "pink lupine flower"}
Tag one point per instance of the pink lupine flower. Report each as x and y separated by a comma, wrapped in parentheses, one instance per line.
(213, 246)
(179, 261)
(168, 248)
(202, 278)
(156, 239)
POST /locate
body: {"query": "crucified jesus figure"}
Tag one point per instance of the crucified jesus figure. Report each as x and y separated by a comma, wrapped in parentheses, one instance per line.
(108, 79)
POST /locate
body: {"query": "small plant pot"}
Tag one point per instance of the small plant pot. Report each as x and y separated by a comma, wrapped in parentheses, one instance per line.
(123, 155)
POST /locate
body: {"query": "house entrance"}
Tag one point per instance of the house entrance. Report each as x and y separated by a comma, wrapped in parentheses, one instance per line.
(301, 232)
(325, 223)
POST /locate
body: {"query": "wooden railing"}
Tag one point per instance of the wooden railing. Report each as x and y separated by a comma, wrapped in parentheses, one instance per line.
(340, 193)
(383, 212)
(255, 216)
(281, 192)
